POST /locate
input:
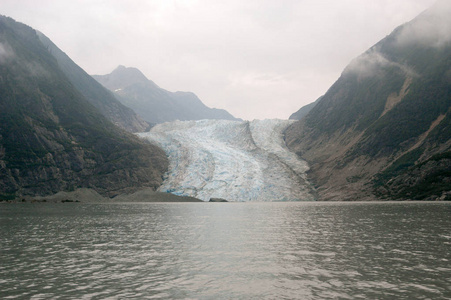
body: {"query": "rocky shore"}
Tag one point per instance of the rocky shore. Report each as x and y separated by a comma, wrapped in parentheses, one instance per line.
(85, 195)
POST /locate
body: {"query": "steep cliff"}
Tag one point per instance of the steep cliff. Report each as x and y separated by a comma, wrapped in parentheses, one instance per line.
(51, 137)
(383, 129)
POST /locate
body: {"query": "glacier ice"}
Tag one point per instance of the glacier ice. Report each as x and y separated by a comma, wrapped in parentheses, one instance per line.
(234, 160)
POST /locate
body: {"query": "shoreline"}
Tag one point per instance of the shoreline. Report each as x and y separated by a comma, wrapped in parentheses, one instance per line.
(85, 195)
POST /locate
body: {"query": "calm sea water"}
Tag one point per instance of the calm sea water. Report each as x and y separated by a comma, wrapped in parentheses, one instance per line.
(226, 251)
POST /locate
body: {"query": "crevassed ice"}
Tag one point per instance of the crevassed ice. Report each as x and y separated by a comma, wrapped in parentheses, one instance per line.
(234, 160)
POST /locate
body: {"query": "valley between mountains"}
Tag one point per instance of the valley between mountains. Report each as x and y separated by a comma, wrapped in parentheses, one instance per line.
(382, 131)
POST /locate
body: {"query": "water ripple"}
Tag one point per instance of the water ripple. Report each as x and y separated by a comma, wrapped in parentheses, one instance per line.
(226, 251)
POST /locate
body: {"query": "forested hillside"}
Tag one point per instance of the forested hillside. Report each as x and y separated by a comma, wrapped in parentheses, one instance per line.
(383, 129)
(51, 137)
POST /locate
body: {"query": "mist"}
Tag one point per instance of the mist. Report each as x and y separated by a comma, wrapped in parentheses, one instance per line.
(432, 28)
(371, 64)
(6, 52)
(256, 59)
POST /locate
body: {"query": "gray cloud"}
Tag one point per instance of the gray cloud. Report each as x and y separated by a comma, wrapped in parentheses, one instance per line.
(432, 28)
(255, 58)
(6, 52)
(7, 55)
(371, 62)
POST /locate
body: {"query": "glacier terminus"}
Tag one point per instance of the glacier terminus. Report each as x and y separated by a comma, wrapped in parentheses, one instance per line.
(233, 160)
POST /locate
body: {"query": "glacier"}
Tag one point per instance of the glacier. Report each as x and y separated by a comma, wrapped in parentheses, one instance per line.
(233, 160)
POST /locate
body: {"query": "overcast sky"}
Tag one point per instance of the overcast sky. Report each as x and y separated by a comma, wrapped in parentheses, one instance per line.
(255, 58)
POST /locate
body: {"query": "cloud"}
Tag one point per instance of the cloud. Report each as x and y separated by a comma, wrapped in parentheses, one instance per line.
(7, 55)
(259, 80)
(432, 28)
(371, 63)
(6, 52)
(255, 58)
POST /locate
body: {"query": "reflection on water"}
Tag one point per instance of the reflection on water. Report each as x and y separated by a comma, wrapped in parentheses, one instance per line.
(226, 251)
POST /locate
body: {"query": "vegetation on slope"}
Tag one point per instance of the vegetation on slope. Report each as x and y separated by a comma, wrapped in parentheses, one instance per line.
(383, 129)
(51, 137)
(95, 93)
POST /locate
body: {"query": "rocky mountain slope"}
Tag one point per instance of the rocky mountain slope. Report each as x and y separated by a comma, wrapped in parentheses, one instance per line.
(303, 111)
(382, 131)
(154, 104)
(51, 137)
(95, 93)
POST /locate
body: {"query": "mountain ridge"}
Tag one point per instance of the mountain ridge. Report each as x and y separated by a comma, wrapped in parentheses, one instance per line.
(52, 138)
(382, 131)
(94, 92)
(303, 111)
(154, 104)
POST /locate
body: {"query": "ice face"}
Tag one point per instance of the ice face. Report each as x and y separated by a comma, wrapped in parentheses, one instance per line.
(237, 161)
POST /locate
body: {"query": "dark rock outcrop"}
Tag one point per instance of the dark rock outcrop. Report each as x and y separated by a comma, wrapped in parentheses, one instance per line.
(217, 200)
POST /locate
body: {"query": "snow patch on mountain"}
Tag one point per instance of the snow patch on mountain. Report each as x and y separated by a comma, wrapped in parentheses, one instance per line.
(234, 160)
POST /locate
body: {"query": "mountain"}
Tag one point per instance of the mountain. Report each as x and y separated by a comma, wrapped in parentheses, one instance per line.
(154, 104)
(51, 137)
(95, 93)
(303, 111)
(382, 131)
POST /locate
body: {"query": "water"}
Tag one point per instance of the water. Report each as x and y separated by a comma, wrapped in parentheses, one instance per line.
(226, 251)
